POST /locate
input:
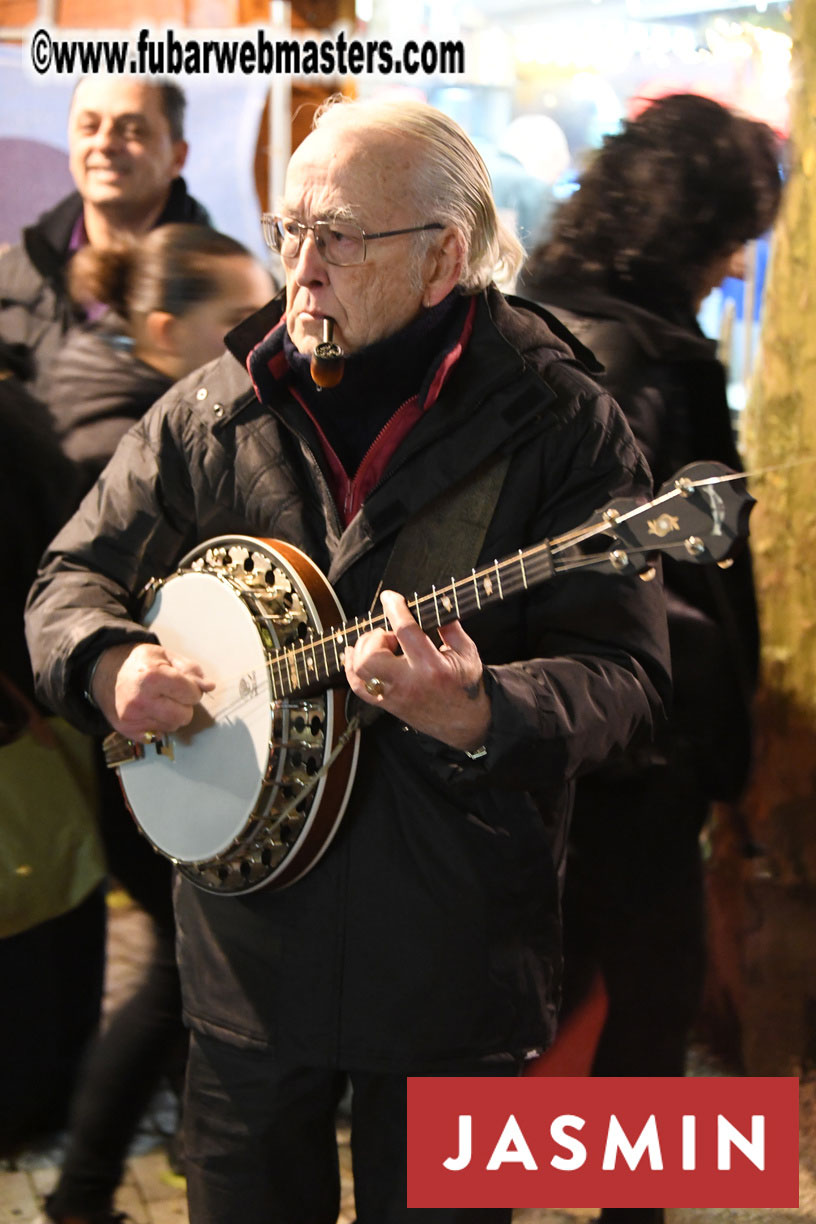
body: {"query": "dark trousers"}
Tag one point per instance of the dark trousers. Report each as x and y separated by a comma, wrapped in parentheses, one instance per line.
(260, 1142)
(633, 907)
(122, 1070)
(144, 1040)
(52, 980)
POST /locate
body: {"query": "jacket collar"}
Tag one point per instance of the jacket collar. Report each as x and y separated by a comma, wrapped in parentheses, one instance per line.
(658, 337)
(512, 314)
(251, 331)
(561, 338)
(47, 243)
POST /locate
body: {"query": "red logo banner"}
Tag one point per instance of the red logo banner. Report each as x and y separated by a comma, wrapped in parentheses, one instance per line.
(567, 1142)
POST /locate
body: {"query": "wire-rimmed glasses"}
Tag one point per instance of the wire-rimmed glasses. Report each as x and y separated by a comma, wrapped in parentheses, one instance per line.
(341, 243)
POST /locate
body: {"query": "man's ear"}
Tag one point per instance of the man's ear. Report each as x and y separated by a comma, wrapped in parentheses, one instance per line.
(180, 150)
(443, 267)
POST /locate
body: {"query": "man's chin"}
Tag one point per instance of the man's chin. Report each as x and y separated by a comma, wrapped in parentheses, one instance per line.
(305, 337)
(101, 194)
(122, 207)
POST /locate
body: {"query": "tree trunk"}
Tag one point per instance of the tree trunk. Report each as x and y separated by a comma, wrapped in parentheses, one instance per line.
(762, 875)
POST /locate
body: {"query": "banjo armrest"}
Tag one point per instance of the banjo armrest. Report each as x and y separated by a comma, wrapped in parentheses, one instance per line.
(118, 750)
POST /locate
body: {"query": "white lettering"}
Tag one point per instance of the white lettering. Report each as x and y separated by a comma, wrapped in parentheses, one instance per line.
(616, 1140)
(689, 1141)
(728, 1136)
(558, 1131)
(519, 1153)
(462, 1160)
(512, 1146)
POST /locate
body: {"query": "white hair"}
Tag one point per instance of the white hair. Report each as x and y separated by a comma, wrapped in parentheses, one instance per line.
(449, 184)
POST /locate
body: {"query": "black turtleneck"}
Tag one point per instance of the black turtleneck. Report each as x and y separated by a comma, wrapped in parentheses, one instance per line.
(378, 379)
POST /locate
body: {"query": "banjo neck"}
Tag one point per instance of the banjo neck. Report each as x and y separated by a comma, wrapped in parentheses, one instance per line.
(700, 515)
(317, 663)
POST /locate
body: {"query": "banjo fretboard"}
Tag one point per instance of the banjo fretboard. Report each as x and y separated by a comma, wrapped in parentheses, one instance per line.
(690, 518)
(318, 661)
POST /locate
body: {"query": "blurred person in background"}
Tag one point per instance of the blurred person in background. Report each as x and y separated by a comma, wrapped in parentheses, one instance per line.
(172, 297)
(52, 971)
(662, 215)
(126, 152)
(538, 148)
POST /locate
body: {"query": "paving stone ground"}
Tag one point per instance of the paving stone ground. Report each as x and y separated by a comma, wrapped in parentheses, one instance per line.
(152, 1194)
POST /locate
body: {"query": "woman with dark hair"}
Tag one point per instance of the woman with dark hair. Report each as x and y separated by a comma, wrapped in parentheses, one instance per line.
(172, 297)
(660, 218)
(661, 212)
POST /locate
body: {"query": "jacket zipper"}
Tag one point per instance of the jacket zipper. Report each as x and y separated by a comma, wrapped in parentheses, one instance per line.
(355, 482)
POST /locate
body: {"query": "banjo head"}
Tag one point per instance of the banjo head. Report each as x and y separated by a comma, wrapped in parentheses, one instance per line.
(194, 804)
(242, 797)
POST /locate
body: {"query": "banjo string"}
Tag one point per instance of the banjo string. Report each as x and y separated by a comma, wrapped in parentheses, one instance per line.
(293, 655)
(280, 658)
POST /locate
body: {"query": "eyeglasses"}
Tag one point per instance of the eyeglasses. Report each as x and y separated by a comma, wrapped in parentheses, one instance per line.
(341, 243)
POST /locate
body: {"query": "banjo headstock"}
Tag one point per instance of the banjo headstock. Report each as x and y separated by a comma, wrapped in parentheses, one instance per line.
(700, 515)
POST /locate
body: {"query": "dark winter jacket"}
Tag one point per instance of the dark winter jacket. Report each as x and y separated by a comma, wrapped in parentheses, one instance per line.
(429, 931)
(37, 493)
(98, 389)
(671, 386)
(35, 309)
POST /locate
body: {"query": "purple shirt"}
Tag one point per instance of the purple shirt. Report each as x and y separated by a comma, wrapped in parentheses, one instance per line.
(79, 238)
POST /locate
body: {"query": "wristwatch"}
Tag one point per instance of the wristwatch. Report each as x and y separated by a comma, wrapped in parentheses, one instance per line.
(89, 679)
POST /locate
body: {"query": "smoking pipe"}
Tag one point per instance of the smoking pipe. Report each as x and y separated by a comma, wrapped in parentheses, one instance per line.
(328, 360)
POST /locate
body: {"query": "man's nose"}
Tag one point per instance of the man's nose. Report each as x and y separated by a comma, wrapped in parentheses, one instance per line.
(310, 266)
(106, 135)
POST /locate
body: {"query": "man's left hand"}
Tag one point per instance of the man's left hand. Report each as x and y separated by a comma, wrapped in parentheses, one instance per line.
(438, 691)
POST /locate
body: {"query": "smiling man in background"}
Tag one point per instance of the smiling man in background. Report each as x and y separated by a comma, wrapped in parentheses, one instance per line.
(126, 151)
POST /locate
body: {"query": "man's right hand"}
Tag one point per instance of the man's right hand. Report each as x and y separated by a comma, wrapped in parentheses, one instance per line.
(145, 690)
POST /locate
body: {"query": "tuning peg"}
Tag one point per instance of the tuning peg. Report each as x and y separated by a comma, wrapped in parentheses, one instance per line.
(618, 559)
(648, 575)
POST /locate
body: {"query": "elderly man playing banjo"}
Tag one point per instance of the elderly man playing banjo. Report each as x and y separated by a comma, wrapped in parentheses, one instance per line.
(367, 881)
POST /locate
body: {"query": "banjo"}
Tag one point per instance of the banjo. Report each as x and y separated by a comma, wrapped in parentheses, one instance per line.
(252, 791)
